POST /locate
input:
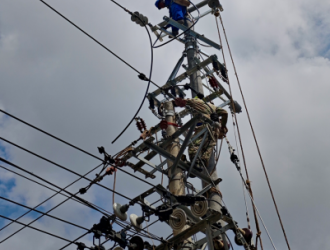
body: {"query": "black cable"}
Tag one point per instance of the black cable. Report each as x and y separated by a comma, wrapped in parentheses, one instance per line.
(7, 169)
(90, 36)
(57, 192)
(42, 231)
(60, 166)
(156, 47)
(51, 216)
(40, 130)
(74, 240)
(27, 225)
(149, 79)
(71, 171)
(71, 195)
(146, 227)
(145, 234)
(49, 188)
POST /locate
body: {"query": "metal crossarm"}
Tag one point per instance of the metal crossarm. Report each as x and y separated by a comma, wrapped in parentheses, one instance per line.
(192, 33)
(183, 146)
(191, 231)
(181, 164)
(210, 73)
(168, 141)
(186, 74)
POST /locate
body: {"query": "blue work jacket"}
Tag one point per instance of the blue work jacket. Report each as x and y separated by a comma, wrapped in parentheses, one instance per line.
(177, 11)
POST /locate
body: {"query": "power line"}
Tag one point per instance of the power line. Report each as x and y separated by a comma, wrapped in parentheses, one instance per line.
(95, 40)
(150, 74)
(58, 192)
(254, 136)
(71, 171)
(42, 231)
(60, 166)
(71, 195)
(51, 216)
(75, 241)
(91, 37)
(46, 133)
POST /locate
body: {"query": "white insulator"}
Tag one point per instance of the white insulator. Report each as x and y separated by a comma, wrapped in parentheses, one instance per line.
(178, 219)
(133, 218)
(116, 209)
(199, 209)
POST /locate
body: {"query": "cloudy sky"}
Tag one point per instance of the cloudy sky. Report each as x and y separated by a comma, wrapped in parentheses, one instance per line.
(56, 78)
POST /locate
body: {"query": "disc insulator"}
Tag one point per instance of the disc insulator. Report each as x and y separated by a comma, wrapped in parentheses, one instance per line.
(199, 209)
(179, 219)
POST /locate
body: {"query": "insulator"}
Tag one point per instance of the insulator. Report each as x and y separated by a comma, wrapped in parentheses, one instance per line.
(178, 219)
(139, 125)
(163, 124)
(143, 124)
(223, 71)
(120, 211)
(136, 221)
(199, 209)
(151, 103)
(213, 82)
(139, 19)
(216, 65)
(101, 150)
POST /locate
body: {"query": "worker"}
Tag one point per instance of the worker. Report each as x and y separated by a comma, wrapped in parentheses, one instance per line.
(212, 112)
(177, 8)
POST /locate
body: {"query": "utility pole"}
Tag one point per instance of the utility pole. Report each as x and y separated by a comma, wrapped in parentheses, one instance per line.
(196, 84)
(176, 184)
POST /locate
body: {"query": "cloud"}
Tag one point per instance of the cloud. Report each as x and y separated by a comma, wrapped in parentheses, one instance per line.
(56, 78)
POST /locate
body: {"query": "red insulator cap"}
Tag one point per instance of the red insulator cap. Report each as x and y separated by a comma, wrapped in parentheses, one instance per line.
(163, 124)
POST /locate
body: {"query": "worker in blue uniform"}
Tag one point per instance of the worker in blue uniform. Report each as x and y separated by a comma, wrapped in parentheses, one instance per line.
(177, 11)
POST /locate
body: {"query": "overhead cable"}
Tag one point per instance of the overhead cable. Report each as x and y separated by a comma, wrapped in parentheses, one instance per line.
(239, 136)
(57, 192)
(42, 231)
(62, 167)
(71, 195)
(254, 136)
(51, 216)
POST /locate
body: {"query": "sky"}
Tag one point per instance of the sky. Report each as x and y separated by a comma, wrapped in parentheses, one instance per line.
(56, 78)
